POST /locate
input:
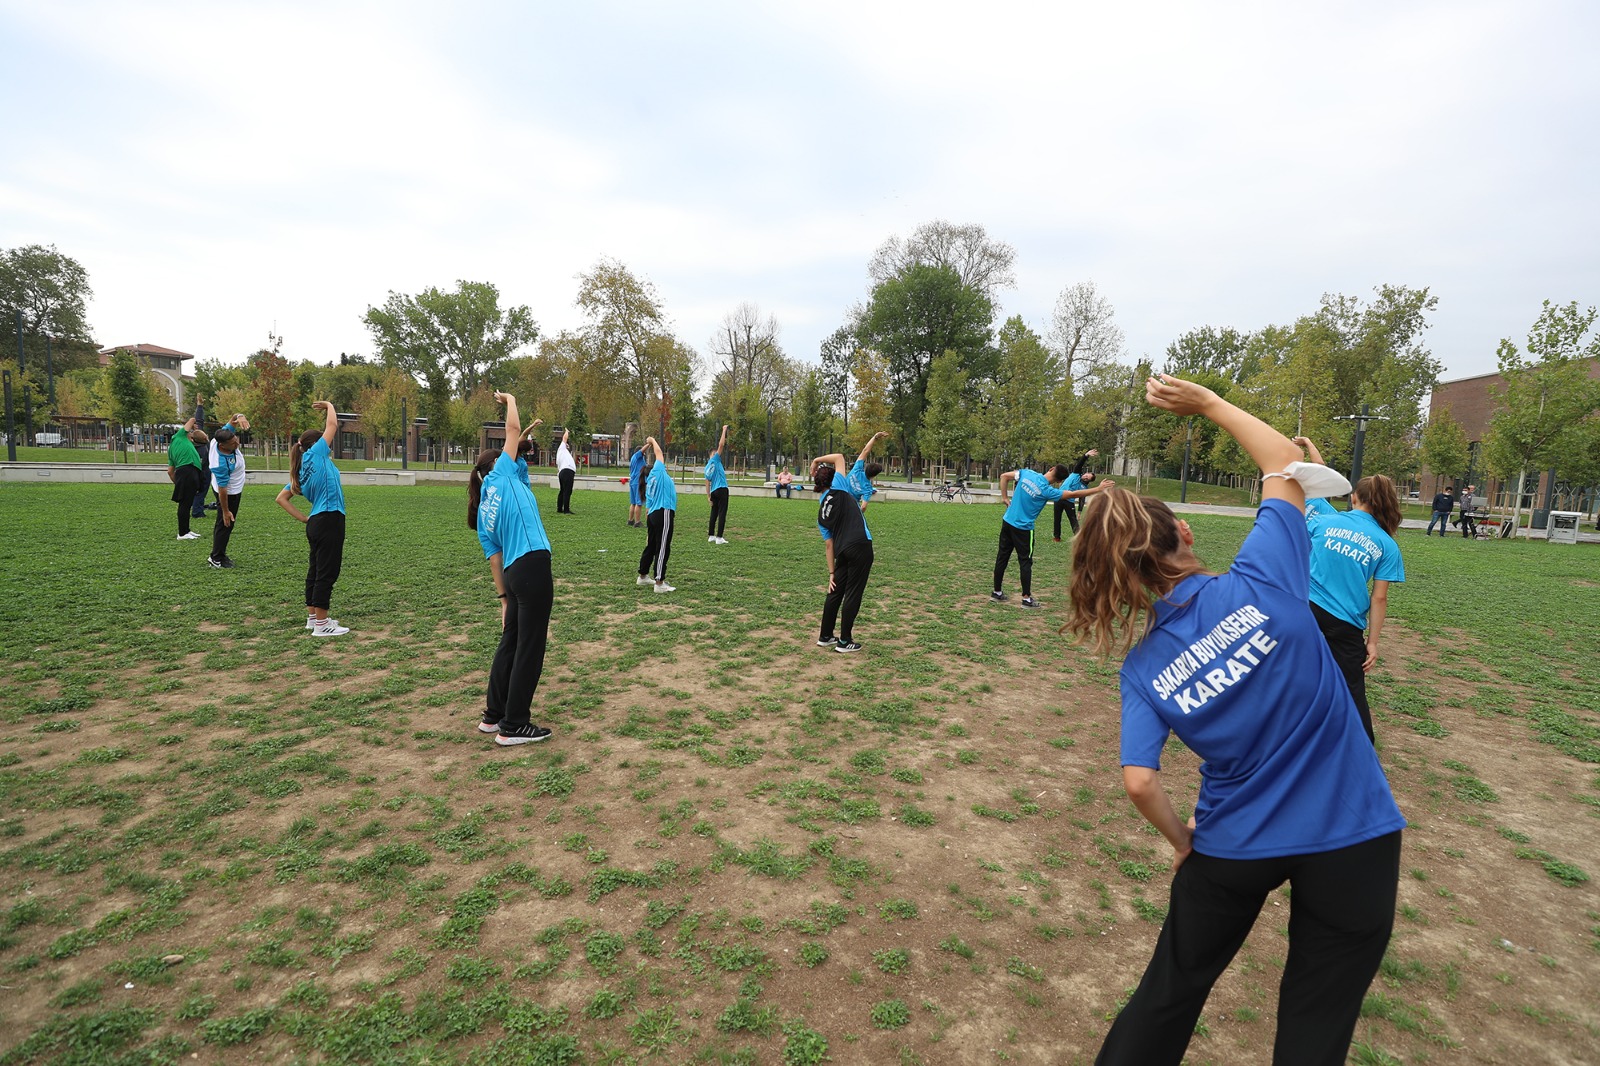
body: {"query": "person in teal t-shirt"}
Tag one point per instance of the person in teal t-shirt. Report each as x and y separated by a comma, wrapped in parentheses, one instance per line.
(1034, 490)
(717, 492)
(312, 474)
(661, 501)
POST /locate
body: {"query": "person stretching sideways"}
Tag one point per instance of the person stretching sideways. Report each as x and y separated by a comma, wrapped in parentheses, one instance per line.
(186, 474)
(1034, 490)
(566, 472)
(857, 480)
(717, 492)
(1290, 788)
(636, 466)
(661, 501)
(1075, 481)
(227, 481)
(502, 509)
(312, 474)
(847, 548)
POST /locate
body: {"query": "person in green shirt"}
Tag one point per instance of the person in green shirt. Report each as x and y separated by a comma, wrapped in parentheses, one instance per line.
(187, 474)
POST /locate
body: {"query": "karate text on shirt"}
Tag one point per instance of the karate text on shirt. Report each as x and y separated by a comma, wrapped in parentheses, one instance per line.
(1243, 624)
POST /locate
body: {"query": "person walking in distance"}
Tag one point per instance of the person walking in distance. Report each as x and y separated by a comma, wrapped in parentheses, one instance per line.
(661, 501)
(187, 475)
(1076, 480)
(636, 466)
(717, 492)
(1443, 503)
(501, 507)
(847, 549)
(1469, 525)
(566, 472)
(227, 481)
(1034, 490)
(312, 474)
(1290, 788)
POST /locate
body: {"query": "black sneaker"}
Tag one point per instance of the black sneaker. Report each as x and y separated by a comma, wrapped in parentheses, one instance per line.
(488, 725)
(827, 642)
(846, 646)
(526, 733)
(221, 564)
(998, 596)
(1029, 601)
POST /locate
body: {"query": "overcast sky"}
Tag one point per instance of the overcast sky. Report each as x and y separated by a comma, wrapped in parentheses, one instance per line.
(224, 169)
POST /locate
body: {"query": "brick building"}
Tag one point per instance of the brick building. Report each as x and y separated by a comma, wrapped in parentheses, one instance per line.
(167, 364)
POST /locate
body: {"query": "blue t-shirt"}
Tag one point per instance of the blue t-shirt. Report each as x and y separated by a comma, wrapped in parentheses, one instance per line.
(319, 479)
(1074, 483)
(636, 466)
(660, 490)
(1348, 550)
(522, 469)
(508, 515)
(716, 476)
(1029, 497)
(1236, 666)
(857, 484)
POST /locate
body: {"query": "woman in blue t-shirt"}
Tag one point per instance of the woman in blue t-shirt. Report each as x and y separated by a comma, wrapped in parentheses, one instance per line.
(661, 503)
(1349, 550)
(312, 474)
(501, 507)
(1291, 789)
(717, 492)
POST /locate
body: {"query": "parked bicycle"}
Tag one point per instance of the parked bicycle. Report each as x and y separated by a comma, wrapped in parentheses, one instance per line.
(950, 492)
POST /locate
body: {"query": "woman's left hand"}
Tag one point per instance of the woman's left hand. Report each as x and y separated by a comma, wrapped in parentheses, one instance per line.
(1181, 853)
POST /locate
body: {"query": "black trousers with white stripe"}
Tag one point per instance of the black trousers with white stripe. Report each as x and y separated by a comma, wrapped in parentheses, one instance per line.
(658, 546)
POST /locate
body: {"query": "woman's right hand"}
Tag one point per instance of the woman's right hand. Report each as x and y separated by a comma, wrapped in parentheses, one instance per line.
(1176, 395)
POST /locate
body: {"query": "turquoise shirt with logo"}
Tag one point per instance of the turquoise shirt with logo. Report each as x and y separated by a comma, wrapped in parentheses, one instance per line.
(1033, 491)
(716, 476)
(508, 515)
(319, 479)
(1348, 551)
(661, 492)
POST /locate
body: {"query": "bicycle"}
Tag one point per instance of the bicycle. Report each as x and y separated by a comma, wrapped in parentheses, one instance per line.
(951, 491)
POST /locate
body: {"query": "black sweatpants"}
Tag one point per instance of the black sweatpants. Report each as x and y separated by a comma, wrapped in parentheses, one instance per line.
(1021, 542)
(519, 660)
(851, 568)
(658, 544)
(564, 497)
(221, 533)
(1349, 647)
(719, 512)
(1071, 509)
(325, 535)
(1340, 917)
(186, 482)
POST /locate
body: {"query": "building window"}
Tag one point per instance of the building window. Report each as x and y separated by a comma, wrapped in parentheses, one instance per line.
(353, 444)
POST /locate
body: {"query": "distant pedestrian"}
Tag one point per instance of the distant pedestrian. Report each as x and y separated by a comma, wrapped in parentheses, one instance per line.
(636, 468)
(1469, 524)
(785, 485)
(717, 492)
(1034, 490)
(1443, 503)
(1076, 480)
(566, 472)
(661, 501)
(187, 474)
(227, 481)
(313, 474)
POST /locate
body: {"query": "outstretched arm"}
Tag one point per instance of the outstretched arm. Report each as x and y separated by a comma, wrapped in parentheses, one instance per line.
(1270, 450)
(1084, 458)
(866, 449)
(1006, 480)
(721, 441)
(535, 424)
(1311, 449)
(1081, 494)
(835, 460)
(513, 424)
(655, 446)
(330, 428)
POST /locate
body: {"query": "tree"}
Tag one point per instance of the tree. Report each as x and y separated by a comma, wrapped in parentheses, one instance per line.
(747, 345)
(1207, 349)
(685, 421)
(75, 392)
(1011, 428)
(916, 317)
(130, 399)
(1542, 411)
(467, 416)
(1445, 448)
(451, 341)
(1084, 330)
(809, 414)
(626, 330)
(577, 426)
(838, 364)
(50, 289)
(272, 396)
(380, 405)
(946, 425)
(871, 409)
(979, 262)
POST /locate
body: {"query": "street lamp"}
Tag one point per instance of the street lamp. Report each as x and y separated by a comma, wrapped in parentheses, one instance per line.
(1361, 421)
(1183, 487)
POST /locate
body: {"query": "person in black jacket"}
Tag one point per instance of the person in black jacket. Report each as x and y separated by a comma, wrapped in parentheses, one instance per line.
(1443, 503)
(847, 546)
(1077, 479)
(1469, 528)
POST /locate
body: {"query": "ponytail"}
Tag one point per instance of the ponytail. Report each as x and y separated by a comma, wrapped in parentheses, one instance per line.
(1377, 496)
(480, 470)
(296, 452)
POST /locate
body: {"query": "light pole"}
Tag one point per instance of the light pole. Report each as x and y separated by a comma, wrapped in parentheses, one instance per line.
(1361, 421)
(1183, 487)
(405, 435)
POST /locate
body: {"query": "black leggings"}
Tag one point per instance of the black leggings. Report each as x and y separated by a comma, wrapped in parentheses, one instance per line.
(1340, 917)
(186, 482)
(851, 568)
(1349, 647)
(719, 512)
(1021, 542)
(519, 660)
(325, 535)
(1071, 509)
(658, 544)
(221, 533)
(564, 497)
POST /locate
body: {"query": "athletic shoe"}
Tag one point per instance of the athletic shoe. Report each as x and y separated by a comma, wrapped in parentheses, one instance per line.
(526, 733)
(662, 586)
(191, 535)
(722, 540)
(1058, 540)
(311, 622)
(998, 596)
(643, 580)
(221, 564)
(1029, 601)
(711, 540)
(486, 726)
(211, 507)
(827, 642)
(847, 646)
(329, 628)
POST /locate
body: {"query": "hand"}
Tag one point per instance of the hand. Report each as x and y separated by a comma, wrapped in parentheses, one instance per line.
(1372, 655)
(1176, 395)
(503, 397)
(227, 516)
(321, 405)
(1107, 484)
(830, 581)
(537, 422)
(1093, 452)
(724, 429)
(504, 606)
(1180, 854)
(1304, 442)
(241, 422)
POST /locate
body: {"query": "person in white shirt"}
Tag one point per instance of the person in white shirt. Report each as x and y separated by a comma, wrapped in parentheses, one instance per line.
(227, 481)
(566, 471)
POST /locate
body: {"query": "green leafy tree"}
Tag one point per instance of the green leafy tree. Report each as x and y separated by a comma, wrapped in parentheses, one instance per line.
(1445, 448)
(128, 394)
(272, 396)
(1010, 426)
(51, 290)
(808, 414)
(946, 423)
(627, 337)
(871, 409)
(839, 354)
(381, 407)
(684, 424)
(1207, 349)
(577, 426)
(467, 416)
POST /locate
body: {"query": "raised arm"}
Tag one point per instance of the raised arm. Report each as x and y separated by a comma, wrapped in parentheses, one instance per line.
(721, 441)
(1311, 449)
(1082, 494)
(834, 459)
(513, 424)
(1084, 458)
(330, 429)
(565, 434)
(535, 424)
(1270, 450)
(655, 446)
(866, 449)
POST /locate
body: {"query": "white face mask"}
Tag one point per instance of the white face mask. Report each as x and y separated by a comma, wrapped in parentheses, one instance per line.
(1318, 481)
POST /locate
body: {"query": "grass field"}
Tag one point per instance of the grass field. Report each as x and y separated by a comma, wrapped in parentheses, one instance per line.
(220, 837)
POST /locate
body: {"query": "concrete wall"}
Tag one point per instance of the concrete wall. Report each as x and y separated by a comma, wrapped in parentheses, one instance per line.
(151, 474)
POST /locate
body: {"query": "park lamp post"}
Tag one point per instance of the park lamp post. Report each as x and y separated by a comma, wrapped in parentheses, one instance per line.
(1183, 485)
(1361, 421)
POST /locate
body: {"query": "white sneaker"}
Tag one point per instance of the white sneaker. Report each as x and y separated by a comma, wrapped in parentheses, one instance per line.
(311, 621)
(711, 540)
(330, 628)
(662, 586)
(720, 540)
(191, 535)
(643, 580)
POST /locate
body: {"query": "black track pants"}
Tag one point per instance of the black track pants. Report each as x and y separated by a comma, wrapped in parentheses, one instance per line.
(519, 660)
(719, 512)
(564, 497)
(220, 534)
(325, 537)
(1070, 507)
(1021, 542)
(851, 568)
(658, 544)
(1349, 647)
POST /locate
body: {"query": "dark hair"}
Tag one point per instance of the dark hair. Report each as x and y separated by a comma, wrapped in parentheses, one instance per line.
(480, 470)
(1060, 472)
(873, 470)
(1086, 478)
(1378, 498)
(524, 448)
(296, 451)
(824, 478)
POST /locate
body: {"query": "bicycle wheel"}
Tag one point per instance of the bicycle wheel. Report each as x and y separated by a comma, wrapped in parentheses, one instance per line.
(966, 497)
